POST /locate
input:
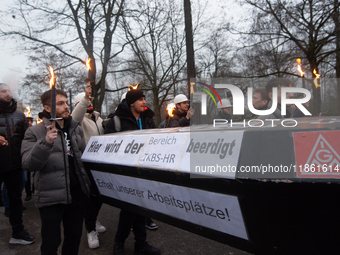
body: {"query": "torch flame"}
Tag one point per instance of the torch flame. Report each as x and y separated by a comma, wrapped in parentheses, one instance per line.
(170, 109)
(192, 87)
(317, 85)
(52, 80)
(88, 64)
(133, 87)
(298, 60)
(38, 121)
(28, 114)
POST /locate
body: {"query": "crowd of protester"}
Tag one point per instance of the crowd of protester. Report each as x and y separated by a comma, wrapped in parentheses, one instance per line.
(52, 151)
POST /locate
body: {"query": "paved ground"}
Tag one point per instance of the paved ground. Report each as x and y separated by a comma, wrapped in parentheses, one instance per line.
(171, 240)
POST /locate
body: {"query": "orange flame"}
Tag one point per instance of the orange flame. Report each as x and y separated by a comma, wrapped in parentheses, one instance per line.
(298, 60)
(52, 80)
(192, 87)
(170, 109)
(28, 114)
(317, 85)
(38, 121)
(133, 87)
(88, 64)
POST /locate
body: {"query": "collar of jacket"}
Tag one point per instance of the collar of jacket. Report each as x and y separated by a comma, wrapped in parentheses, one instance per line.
(149, 113)
(223, 115)
(277, 112)
(180, 114)
(8, 108)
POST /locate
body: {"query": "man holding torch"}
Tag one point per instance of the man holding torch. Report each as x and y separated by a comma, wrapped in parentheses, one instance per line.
(91, 123)
(182, 112)
(61, 182)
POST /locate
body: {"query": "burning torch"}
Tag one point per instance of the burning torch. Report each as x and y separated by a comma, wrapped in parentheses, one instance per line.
(170, 109)
(298, 60)
(28, 118)
(88, 64)
(133, 86)
(28, 114)
(318, 90)
(192, 88)
(53, 97)
(89, 80)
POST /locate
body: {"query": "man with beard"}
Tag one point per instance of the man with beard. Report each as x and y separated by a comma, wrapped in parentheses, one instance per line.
(91, 123)
(12, 130)
(61, 182)
(182, 112)
(132, 115)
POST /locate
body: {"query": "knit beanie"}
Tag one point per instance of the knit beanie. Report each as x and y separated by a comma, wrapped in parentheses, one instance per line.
(133, 95)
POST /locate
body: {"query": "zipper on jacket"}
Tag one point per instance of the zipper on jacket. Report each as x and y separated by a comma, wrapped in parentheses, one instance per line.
(65, 165)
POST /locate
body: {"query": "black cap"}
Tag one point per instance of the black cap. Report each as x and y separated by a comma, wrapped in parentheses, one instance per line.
(133, 95)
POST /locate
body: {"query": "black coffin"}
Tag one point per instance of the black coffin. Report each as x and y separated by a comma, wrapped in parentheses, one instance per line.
(281, 194)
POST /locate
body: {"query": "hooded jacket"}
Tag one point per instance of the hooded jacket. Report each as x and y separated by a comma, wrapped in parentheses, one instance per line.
(50, 162)
(12, 127)
(89, 126)
(128, 120)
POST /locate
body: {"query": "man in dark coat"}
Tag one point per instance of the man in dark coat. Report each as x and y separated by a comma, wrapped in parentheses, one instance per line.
(132, 115)
(182, 113)
(12, 130)
(61, 182)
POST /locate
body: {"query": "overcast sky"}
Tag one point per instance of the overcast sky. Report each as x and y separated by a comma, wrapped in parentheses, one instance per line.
(12, 64)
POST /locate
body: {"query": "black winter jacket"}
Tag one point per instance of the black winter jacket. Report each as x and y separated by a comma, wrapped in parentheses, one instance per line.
(12, 127)
(128, 120)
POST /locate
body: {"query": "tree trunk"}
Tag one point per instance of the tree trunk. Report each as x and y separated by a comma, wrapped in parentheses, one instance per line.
(190, 44)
